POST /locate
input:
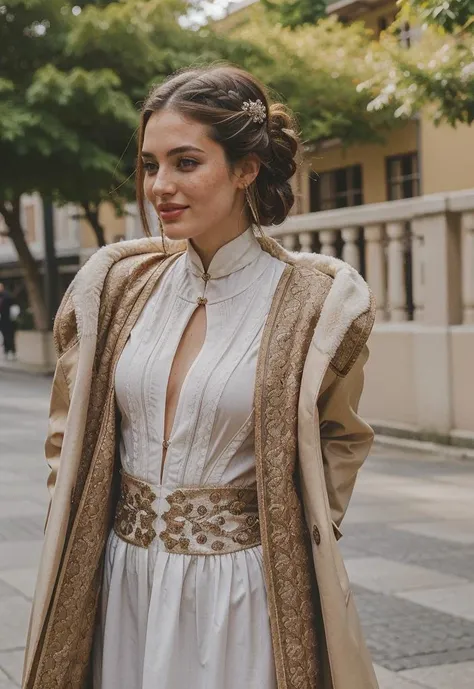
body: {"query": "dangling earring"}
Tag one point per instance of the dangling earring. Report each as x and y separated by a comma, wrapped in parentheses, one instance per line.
(162, 236)
(252, 209)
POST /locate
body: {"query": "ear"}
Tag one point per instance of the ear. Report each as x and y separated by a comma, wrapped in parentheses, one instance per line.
(247, 170)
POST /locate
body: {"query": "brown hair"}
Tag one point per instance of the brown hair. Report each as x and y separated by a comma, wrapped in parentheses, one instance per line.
(214, 96)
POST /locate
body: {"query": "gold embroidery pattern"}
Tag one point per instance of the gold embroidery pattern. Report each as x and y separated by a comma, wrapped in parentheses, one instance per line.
(135, 514)
(62, 658)
(112, 317)
(206, 521)
(64, 329)
(287, 557)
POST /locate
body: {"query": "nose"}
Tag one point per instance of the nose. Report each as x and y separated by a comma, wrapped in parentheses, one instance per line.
(163, 185)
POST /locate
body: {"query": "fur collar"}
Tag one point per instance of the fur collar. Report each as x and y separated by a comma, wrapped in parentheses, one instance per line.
(348, 298)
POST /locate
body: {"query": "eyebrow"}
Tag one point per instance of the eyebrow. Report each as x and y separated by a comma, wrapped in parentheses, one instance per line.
(174, 151)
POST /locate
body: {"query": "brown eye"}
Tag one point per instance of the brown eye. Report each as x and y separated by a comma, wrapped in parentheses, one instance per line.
(190, 163)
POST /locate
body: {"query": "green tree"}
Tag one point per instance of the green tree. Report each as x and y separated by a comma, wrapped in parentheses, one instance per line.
(64, 123)
(293, 13)
(58, 124)
(436, 72)
(130, 40)
(449, 15)
(315, 69)
(29, 35)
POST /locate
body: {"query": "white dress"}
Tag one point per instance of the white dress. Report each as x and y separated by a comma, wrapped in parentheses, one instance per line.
(173, 621)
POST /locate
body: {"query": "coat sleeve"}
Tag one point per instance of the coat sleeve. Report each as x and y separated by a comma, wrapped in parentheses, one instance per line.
(58, 413)
(345, 438)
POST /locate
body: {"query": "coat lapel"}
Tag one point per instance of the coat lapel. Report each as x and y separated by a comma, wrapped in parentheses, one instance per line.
(63, 654)
(287, 555)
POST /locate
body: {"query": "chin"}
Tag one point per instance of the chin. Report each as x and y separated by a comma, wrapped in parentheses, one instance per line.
(176, 231)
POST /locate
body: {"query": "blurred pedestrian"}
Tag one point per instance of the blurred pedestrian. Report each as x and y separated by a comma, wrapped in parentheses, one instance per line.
(204, 439)
(7, 322)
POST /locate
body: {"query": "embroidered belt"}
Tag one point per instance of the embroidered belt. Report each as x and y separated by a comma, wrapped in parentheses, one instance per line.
(199, 521)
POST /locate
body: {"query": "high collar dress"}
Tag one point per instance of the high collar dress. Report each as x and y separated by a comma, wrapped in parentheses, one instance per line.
(168, 620)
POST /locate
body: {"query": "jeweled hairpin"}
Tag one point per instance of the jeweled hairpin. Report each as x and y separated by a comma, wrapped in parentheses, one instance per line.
(255, 109)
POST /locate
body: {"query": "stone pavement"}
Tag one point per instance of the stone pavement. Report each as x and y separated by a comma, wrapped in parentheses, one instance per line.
(408, 545)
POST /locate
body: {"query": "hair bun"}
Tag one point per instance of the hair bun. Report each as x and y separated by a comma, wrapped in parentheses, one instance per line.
(275, 196)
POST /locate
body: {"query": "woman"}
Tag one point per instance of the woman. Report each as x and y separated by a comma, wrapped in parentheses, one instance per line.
(204, 440)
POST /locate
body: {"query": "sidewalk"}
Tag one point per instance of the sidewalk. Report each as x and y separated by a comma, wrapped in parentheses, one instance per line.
(20, 367)
(408, 545)
(409, 549)
(24, 402)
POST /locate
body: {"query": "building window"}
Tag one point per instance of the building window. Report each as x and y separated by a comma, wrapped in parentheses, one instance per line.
(336, 188)
(403, 177)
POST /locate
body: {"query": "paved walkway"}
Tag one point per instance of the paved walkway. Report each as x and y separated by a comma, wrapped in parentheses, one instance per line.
(408, 545)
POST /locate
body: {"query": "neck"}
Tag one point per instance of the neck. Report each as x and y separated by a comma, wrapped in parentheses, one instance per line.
(207, 247)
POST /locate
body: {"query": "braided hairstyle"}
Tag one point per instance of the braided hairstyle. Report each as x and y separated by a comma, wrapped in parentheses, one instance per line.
(214, 96)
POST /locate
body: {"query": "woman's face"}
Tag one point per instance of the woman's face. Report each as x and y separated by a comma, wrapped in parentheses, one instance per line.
(184, 168)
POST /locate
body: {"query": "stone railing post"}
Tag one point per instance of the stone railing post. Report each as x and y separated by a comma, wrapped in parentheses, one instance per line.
(437, 275)
(397, 300)
(350, 250)
(467, 253)
(418, 271)
(328, 240)
(289, 242)
(375, 266)
(437, 298)
(306, 241)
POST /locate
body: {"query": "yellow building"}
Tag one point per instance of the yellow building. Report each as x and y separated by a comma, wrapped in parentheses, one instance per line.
(416, 159)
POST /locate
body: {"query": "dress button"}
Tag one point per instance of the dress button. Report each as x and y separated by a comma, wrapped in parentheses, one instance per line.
(166, 444)
(206, 277)
(201, 301)
(316, 535)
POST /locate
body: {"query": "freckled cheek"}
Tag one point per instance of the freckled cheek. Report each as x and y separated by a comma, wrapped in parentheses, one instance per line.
(206, 189)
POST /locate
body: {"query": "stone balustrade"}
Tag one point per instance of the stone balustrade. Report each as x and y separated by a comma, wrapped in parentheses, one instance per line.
(416, 254)
(418, 258)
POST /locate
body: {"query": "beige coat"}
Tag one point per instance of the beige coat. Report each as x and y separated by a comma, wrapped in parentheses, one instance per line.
(309, 440)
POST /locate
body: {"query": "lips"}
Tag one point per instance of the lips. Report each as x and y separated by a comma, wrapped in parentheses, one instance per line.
(171, 212)
(170, 207)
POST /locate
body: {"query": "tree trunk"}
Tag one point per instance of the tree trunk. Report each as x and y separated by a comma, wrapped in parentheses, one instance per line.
(92, 216)
(31, 273)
